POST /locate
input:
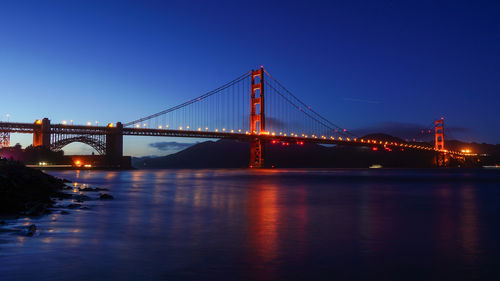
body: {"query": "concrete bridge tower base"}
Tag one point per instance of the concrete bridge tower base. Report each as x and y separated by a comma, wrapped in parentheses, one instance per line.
(41, 134)
(114, 145)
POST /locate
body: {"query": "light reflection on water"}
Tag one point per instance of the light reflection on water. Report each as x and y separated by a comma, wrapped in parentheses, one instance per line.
(268, 225)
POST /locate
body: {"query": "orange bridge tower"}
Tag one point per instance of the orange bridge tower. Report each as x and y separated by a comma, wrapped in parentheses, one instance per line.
(439, 139)
(439, 142)
(257, 118)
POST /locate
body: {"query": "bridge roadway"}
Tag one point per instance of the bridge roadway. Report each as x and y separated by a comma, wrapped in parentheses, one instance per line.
(66, 129)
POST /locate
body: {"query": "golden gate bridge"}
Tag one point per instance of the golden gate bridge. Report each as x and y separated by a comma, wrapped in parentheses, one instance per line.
(254, 107)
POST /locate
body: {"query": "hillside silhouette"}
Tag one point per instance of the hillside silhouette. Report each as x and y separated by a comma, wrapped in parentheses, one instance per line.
(235, 154)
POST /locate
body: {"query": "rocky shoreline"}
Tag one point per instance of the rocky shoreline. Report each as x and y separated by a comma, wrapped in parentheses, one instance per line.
(29, 192)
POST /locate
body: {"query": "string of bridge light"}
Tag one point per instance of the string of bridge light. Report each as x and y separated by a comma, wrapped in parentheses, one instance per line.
(311, 114)
(239, 130)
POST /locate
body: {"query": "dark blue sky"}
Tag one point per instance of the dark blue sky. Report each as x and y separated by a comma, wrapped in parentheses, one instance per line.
(363, 64)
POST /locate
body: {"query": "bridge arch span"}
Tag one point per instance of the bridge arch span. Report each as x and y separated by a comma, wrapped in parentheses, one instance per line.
(94, 142)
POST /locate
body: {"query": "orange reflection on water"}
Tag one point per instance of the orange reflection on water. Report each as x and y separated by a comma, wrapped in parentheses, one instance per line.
(137, 176)
(264, 215)
(446, 224)
(469, 227)
(111, 175)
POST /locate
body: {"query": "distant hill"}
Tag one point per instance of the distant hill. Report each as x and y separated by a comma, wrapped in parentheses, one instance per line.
(383, 137)
(235, 154)
(208, 154)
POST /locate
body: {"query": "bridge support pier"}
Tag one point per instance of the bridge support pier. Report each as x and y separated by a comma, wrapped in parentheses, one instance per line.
(441, 159)
(256, 153)
(41, 134)
(114, 145)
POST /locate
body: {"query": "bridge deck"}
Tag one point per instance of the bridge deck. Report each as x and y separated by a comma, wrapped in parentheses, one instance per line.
(29, 128)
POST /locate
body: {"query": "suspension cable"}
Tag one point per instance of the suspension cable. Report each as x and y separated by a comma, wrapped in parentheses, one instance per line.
(223, 87)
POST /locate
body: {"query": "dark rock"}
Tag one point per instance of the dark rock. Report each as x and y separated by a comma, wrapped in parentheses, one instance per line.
(25, 190)
(37, 210)
(74, 206)
(81, 198)
(62, 195)
(31, 230)
(2, 223)
(105, 196)
(90, 189)
(64, 213)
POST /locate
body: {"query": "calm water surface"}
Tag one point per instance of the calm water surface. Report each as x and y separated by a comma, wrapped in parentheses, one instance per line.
(268, 225)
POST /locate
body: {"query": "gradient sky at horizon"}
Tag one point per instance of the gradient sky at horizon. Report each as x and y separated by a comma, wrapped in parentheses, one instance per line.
(362, 64)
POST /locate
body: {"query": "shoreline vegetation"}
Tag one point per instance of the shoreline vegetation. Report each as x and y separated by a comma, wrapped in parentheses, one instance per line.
(31, 193)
